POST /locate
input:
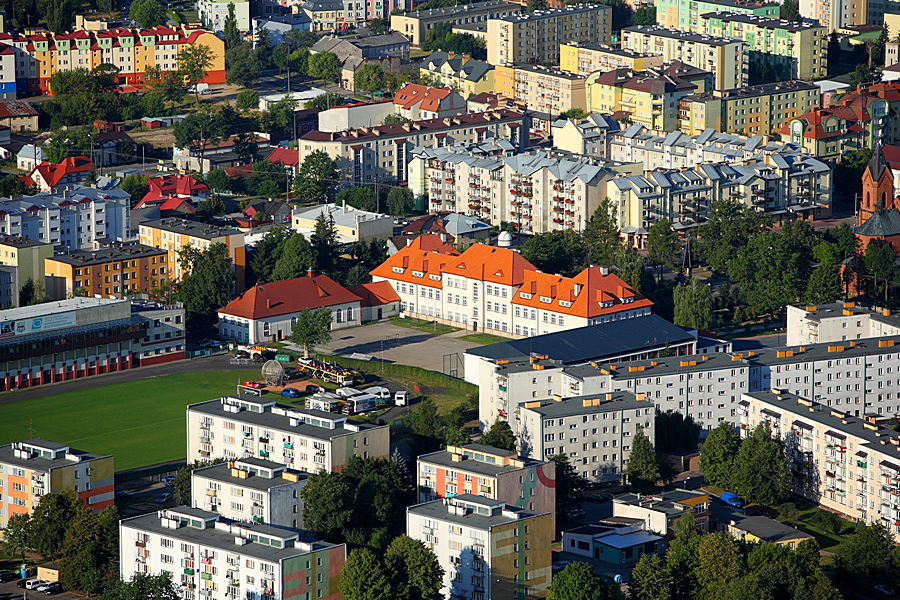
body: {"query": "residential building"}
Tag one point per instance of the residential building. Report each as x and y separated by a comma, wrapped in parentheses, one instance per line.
(49, 177)
(18, 116)
(364, 47)
(416, 102)
(416, 24)
(453, 228)
(360, 153)
(726, 58)
(486, 548)
(613, 542)
(267, 313)
(547, 91)
(794, 50)
(674, 15)
(352, 224)
(9, 287)
(277, 25)
(843, 462)
(491, 473)
(35, 467)
(838, 322)
(213, 13)
(660, 511)
(172, 235)
(304, 440)
(250, 490)
(759, 529)
(354, 116)
(7, 73)
(30, 156)
(589, 135)
(170, 187)
(753, 110)
(40, 55)
(489, 101)
(204, 552)
(536, 37)
(221, 154)
(584, 59)
(164, 339)
(461, 73)
(595, 432)
(27, 256)
(325, 15)
(496, 289)
(111, 271)
(263, 210)
(377, 301)
(837, 14)
(72, 218)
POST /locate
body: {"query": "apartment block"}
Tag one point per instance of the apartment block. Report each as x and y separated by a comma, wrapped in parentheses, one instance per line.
(754, 110)
(619, 541)
(589, 136)
(838, 322)
(547, 91)
(110, 271)
(584, 59)
(212, 14)
(308, 441)
(838, 14)
(9, 287)
(595, 432)
(27, 256)
(174, 234)
(726, 58)
(416, 24)
(840, 461)
(34, 468)
(674, 15)
(536, 37)
(486, 548)
(794, 50)
(660, 511)
(494, 288)
(536, 191)
(250, 490)
(207, 555)
(74, 218)
(382, 153)
(491, 473)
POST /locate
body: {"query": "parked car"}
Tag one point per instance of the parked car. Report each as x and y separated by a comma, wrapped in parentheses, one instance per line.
(559, 566)
(313, 388)
(884, 590)
(575, 513)
(21, 583)
(52, 589)
(168, 480)
(163, 498)
(290, 392)
(7, 576)
(34, 583)
(253, 384)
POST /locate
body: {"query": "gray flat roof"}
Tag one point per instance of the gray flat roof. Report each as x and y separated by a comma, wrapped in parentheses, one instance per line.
(764, 528)
(444, 459)
(574, 406)
(53, 308)
(39, 463)
(85, 258)
(42, 443)
(192, 228)
(438, 510)
(682, 35)
(554, 12)
(222, 472)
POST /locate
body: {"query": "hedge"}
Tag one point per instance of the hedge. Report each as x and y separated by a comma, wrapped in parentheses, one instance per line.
(417, 373)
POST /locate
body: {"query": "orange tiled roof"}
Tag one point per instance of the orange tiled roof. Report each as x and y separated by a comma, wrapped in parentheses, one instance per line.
(54, 173)
(589, 294)
(491, 264)
(289, 296)
(420, 262)
(414, 93)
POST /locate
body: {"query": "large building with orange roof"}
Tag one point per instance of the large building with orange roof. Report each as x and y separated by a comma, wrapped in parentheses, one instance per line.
(39, 56)
(495, 289)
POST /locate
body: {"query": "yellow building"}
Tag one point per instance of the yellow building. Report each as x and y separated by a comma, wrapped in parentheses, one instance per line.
(650, 97)
(584, 59)
(462, 73)
(416, 24)
(26, 255)
(547, 91)
(111, 271)
(841, 14)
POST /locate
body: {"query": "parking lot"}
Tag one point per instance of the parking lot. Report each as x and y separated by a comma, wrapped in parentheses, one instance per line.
(18, 593)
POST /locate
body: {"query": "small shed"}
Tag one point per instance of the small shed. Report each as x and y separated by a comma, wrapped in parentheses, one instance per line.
(48, 572)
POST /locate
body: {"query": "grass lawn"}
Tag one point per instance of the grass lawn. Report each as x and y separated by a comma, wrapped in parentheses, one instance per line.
(827, 540)
(446, 401)
(426, 326)
(140, 422)
(484, 338)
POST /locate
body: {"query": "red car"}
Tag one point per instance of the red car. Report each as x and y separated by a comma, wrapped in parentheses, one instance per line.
(253, 384)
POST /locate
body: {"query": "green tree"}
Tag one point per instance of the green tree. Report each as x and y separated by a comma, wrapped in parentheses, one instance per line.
(719, 561)
(662, 245)
(325, 66)
(324, 245)
(218, 180)
(867, 552)
(193, 62)
(414, 570)
(312, 328)
(790, 11)
(693, 305)
(650, 580)
(136, 186)
(394, 118)
(760, 469)
(363, 577)
(645, 16)
(325, 497)
(243, 65)
(674, 431)
(143, 587)
(500, 435)
(643, 469)
(718, 455)
(168, 86)
(230, 29)
(60, 16)
(63, 144)
(601, 235)
(360, 197)
(293, 259)
(379, 26)
(863, 74)
(555, 251)
(534, 5)
(369, 78)
(147, 13)
(84, 555)
(267, 251)
(181, 489)
(16, 535)
(682, 559)
(727, 230)
(33, 293)
(248, 100)
(848, 172)
(824, 285)
(622, 13)
(573, 113)
(578, 582)
(569, 485)
(50, 521)
(212, 206)
(400, 201)
(316, 176)
(206, 285)
(879, 264)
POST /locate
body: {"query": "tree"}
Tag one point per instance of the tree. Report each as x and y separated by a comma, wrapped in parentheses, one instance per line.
(379, 26)
(181, 489)
(363, 577)
(136, 186)
(325, 510)
(727, 229)
(675, 431)
(267, 251)
(682, 558)
(204, 127)
(394, 118)
(147, 13)
(578, 582)
(63, 144)
(414, 570)
(143, 587)
(718, 454)
(643, 470)
(876, 48)
(645, 16)
(369, 78)
(601, 235)
(312, 328)
(879, 263)
(59, 16)
(719, 561)
(50, 521)
(317, 174)
(230, 33)
(650, 580)
(848, 172)
(867, 552)
(218, 180)
(325, 66)
(573, 113)
(206, 284)
(863, 74)
(362, 198)
(693, 305)
(84, 556)
(33, 293)
(16, 535)
(212, 206)
(555, 251)
(760, 469)
(534, 5)
(248, 100)
(500, 435)
(662, 245)
(622, 14)
(243, 65)
(790, 11)
(569, 485)
(293, 259)
(825, 285)
(193, 62)
(400, 201)
(245, 147)
(324, 245)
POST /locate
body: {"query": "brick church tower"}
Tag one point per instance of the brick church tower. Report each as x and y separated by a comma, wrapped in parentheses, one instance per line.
(878, 187)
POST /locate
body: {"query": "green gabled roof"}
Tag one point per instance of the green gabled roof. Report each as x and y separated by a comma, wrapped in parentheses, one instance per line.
(884, 223)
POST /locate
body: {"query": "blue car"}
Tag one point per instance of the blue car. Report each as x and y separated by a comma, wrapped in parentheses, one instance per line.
(290, 393)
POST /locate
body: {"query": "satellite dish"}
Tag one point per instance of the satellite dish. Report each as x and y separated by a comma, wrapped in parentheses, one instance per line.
(273, 373)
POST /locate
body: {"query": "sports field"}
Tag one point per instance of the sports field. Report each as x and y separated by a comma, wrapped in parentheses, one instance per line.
(140, 422)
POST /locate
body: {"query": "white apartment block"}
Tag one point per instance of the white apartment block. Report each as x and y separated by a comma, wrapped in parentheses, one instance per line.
(594, 431)
(493, 288)
(845, 463)
(486, 548)
(251, 490)
(245, 426)
(208, 556)
(74, 218)
(838, 322)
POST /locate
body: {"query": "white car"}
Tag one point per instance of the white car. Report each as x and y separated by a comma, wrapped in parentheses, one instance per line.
(33, 584)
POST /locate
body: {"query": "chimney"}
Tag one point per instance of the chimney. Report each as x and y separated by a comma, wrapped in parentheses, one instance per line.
(409, 241)
(443, 237)
(577, 289)
(310, 272)
(268, 303)
(604, 270)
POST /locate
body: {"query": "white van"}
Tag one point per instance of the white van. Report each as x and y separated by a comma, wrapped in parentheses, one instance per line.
(347, 392)
(401, 398)
(35, 583)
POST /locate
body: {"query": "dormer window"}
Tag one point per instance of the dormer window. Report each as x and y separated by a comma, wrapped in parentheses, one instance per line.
(398, 269)
(546, 300)
(627, 300)
(565, 304)
(607, 304)
(525, 296)
(418, 274)
(435, 277)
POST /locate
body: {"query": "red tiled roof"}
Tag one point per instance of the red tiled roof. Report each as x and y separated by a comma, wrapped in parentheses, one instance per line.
(427, 254)
(491, 264)
(289, 296)
(176, 185)
(584, 293)
(375, 294)
(414, 93)
(16, 109)
(285, 156)
(52, 173)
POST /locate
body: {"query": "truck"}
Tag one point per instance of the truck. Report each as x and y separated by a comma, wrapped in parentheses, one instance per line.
(323, 403)
(325, 371)
(359, 404)
(732, 499)
(202, 88)
(283, 357)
